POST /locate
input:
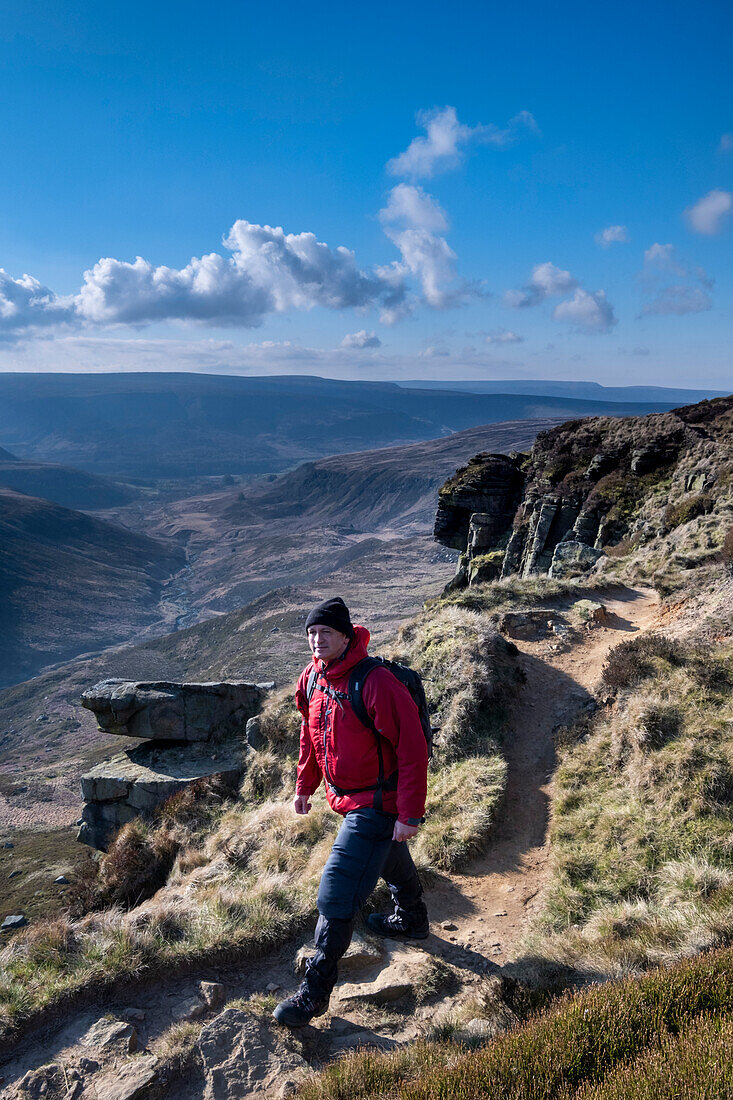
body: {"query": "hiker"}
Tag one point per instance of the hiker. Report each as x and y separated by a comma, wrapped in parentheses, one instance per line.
(376, 781)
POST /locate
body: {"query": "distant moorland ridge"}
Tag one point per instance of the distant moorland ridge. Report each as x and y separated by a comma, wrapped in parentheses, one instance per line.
(149, 426)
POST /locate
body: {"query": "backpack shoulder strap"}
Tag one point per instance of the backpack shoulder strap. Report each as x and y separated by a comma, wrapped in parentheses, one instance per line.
(311, 685)
(358, 675)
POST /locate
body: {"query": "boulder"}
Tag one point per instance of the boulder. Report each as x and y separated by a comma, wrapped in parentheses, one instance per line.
(245, 1056)
(166, 711)
(213, 994)
(590, 611)
(47, 1080)
(134, 782)
(111, 1034)
(18, 920)
(572, 559)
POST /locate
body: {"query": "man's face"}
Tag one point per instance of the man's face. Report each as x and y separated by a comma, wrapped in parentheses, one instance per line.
(325, 642)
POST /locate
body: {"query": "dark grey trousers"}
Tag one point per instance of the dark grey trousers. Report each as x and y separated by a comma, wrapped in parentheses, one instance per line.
(362, 852)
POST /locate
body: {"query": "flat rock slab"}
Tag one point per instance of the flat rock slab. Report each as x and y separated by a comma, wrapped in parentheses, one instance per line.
(400, 979)
(146, 775)
(136, 781)
(359, 955)
(246, 1056)
(165, 711)
(531, 625)
(131, 1081)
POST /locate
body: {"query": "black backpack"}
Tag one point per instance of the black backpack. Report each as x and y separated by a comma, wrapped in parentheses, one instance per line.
(359, 673)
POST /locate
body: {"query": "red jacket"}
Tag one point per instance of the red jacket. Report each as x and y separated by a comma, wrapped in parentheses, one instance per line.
(334, 744)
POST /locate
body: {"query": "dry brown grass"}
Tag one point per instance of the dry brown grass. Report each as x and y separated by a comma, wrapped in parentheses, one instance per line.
(643, 820)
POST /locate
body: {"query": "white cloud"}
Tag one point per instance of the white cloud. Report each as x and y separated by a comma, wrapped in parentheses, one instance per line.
(412, 221)
(679, 299)
(726, 143)
(503, 336)
(441, 148)
(269, 271)
(411, 204)
(27, 303)
(663, 257)
(546, 281)
(612, 234)
(587, 312)
(708, 213)
(361, 339)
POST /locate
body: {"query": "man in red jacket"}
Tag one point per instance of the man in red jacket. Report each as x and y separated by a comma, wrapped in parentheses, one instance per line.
(376, 781)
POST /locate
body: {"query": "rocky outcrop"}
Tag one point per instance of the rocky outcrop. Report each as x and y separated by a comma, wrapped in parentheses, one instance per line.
(166, 711)
(475, 510)
(584, 487)
(134, 782)
(194, 731)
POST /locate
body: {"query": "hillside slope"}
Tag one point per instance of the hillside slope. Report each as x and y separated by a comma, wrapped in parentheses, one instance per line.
(306, 523)
(69, 583)
(61, 484)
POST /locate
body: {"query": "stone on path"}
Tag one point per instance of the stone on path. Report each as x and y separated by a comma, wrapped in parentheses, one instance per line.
(192, 1008)
(61, 881)
(590, 611)
(131, 1081)
(213, 994)
(398, 980)
(360, 954)
(244, 1056)
(110, 1033)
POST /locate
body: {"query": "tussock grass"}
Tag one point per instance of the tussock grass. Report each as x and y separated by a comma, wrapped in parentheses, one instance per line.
(469, 672)
(461, 809)
(642, 830)
(670, 1027)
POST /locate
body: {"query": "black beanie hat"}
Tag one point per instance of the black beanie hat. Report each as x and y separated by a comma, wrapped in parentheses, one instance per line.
(333, 613)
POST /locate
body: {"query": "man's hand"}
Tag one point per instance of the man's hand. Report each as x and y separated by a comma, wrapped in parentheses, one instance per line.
(301, 805)
(403, 832)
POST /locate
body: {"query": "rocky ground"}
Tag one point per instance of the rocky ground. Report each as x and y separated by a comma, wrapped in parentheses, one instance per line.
(131, 1045)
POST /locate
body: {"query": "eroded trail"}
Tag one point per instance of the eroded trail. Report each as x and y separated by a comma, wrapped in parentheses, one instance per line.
(488, 909)
(492, 903)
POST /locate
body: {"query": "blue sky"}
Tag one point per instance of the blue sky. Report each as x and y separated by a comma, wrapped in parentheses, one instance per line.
(436, 181)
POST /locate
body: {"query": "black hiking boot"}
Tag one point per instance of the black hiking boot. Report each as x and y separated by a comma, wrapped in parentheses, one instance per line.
(299, 1010)
(399, 926)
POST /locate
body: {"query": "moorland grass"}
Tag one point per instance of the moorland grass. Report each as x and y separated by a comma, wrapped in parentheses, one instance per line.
(618, 1041)
(642, 816)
